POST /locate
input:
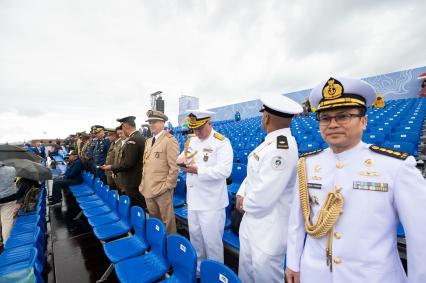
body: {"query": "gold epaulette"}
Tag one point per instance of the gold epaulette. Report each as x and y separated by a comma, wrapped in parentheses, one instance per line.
(219, 136)
(389, 152)
(311, 152)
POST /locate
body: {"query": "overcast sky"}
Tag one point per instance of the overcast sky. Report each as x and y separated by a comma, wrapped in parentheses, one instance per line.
(66, 65)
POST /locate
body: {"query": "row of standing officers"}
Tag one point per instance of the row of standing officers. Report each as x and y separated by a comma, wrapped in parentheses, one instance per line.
(333, 212)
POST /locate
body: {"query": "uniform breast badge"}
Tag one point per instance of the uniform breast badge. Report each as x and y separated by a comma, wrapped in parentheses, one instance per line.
(317, 170)
(157, 155)
(206, 157)
(369, 163)
(314, 200)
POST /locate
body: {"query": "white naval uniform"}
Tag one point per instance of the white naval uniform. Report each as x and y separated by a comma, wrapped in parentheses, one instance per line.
(365, 242)
(207, 195)
(267, 191)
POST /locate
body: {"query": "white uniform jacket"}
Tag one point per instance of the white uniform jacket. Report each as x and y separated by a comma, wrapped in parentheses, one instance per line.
(207, 190)
(268, 190)
(378, 191)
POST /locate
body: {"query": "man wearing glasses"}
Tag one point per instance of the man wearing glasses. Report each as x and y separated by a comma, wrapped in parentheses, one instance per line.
(207, 160)
(351, 197)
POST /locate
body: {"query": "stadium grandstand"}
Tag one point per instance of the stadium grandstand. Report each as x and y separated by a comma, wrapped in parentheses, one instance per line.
(96, 235)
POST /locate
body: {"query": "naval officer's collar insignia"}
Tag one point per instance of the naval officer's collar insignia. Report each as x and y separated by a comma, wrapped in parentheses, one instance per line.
(389, 152)
(282, 142)
(311, 152)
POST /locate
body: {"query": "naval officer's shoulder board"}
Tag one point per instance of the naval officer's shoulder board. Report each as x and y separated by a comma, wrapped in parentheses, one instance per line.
(282, 142)
(219, 136)
(310, 153)
(389, 152)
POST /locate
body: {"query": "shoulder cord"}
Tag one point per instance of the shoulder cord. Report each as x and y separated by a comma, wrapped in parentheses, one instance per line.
(327, 216)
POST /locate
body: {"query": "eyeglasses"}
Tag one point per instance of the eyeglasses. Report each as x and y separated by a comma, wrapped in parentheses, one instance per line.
(341, 119)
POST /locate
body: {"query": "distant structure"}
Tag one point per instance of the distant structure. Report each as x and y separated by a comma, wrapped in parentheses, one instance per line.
(157, 102)
(188, 102)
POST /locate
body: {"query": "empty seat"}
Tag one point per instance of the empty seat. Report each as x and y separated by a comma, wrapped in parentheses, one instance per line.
(238, 174)
(400, 146)
(115, 229)
(134, 245)
(183, 259)
(151, 266)
(374, 138)
(179, 197)
(215, 272)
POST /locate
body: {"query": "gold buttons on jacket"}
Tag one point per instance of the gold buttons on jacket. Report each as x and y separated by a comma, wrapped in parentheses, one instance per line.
(337, 235)
(337, 260)
(339, 165)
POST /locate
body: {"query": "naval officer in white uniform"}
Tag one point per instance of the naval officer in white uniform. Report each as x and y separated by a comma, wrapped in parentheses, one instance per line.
(208, 159)
(266, 193)
(351, 197)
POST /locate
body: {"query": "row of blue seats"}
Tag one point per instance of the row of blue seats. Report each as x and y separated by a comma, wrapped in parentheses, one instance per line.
(23, 258)
(140, 253)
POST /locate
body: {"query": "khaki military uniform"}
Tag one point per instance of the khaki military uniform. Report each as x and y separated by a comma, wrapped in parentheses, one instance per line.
(110, 160)
(159, 178)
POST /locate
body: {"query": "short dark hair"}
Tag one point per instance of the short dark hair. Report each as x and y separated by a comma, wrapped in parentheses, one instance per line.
(131, 123)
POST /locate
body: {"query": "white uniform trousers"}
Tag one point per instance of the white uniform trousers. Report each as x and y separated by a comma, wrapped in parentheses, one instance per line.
(7, 220)
(255, 266)
(206, 233)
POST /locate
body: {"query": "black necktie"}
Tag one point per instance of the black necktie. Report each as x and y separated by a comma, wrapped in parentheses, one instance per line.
(153, 141)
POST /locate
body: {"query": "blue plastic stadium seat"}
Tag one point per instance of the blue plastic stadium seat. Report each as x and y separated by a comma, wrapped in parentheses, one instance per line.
(101, 194)
(231, 239)
(215, 272)
(119, 228)
(111, 217)
(132, 246)
(411, 137)
(373, 138)
(243, 155)
(183, 259)
(400, 146)
(238, 174)
(308, 146)
(151, 266)
(182, 212)
(400, 230)
(179, 197)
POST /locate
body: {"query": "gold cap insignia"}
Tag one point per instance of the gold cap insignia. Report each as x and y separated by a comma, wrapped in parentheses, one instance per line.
(332, 89)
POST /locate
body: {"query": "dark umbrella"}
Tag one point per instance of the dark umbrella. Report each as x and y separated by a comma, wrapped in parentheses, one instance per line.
(8, 151)
(30, 170)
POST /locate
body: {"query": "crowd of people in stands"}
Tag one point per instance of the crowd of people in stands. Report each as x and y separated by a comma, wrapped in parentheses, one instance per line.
(313, 210)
